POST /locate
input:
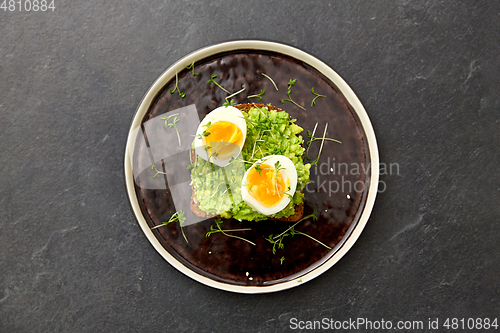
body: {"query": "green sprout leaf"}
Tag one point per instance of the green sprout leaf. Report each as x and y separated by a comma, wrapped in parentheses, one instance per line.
(229, 103)
(289, 99)
(212, 80)
(173, 124)
(153, 167)
(180, 217)
(177, 87)
(262, 92)
(192, 68)
(317, 96)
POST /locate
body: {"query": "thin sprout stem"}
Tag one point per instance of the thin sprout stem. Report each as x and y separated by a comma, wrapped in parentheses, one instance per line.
(309, 143)
(178, 136)
(215, 192)
(313, 214)
(246, 240)
(225, 234)
(262, 113)
(176, 83)
(300, 106)
(242, 161)
(192, 67)
(161, 225)
(314, 130)
(322, 141)
(259, 95)
(172, 115)
(236, 93)
(314, 239)
(275, 86)
(329, 139)
(218, 85)
(261, 153)
(284, 232)
(183, 234)
(246, 229)
(315, 98)
(172, 219)
(157, 172)
(254, 144)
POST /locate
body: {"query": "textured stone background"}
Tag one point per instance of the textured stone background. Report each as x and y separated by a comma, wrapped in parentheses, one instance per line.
(73, 258)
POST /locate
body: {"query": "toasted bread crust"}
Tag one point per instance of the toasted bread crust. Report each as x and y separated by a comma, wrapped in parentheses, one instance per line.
(195, 205)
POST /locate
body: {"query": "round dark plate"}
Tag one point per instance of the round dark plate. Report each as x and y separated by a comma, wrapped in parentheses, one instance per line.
(342, 187)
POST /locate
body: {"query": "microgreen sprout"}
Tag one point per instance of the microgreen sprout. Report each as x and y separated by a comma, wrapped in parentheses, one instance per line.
(236, 93)
(312, 138)
(289, 99)
(262, 92)
(205, 133)
(192, 68)
(177, 87)
(317, 96)
(258, 168)
(173, 124)
(153, 167)
(217, 228)
(313, 215)
(212, 77)
(275, 86)
(277, 168)
(278, 243)
(294, 232)
(233, 159)
(207, 148)
(180, 217)
(281, 260)
(214, 154)
(229, 103)
(277, 240)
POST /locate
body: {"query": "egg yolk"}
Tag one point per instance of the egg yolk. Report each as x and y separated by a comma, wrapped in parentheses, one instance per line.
(267, 187)
(224, 137)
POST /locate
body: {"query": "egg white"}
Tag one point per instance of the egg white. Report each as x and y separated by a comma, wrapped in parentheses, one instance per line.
(223, 113)
(289, 175)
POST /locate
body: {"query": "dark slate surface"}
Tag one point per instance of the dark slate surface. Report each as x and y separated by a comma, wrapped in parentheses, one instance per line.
(73, 258)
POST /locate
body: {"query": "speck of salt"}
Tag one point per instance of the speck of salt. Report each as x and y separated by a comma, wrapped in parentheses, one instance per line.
(250, 278)
(348, 196)
(247, 274)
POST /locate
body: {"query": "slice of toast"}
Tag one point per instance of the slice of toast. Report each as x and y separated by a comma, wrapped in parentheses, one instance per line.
(195, 205)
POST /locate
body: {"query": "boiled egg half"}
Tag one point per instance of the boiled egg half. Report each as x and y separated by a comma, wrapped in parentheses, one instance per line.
(269, 183)
(221, 135)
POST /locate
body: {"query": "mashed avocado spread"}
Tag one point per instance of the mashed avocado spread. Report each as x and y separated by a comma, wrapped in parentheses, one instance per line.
(269, 132)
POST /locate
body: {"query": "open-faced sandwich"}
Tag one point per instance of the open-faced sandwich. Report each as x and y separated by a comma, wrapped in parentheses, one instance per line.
(247, 164)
